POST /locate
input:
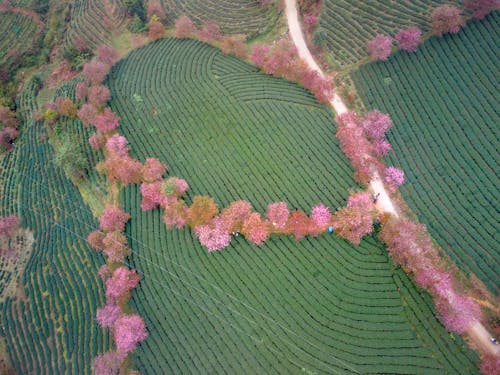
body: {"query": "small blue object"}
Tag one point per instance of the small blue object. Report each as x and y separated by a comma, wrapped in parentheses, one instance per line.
(330, 229)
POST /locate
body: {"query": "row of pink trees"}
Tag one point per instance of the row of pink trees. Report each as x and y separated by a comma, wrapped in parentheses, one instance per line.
(443, 20)
(128, 329)
(214, 227)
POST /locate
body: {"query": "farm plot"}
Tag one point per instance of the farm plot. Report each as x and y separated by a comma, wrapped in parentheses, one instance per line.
(443, 100)
(318, 306)
(233, 16)
(349, 25)
(93, 22)
(16, 30)
(49, 327)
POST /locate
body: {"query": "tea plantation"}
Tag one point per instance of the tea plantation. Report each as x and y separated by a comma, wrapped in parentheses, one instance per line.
(348, 25)
(49, 327)
(316, 306)
(444, 103)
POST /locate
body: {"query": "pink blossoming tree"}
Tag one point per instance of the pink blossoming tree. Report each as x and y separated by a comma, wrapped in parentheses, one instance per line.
(106, 121)
(121, 283)
(214, 235)
(379, 48)
(108, 363)
(394, 177)
(278, 215)
(446, 19)
(106, 316)
(408, 39)
(255, 229)
(113, 218)
(128, 331)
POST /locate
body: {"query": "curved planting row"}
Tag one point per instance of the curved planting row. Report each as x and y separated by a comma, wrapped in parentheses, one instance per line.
(445, 139)
(234, 17)
(92, 21)
(349, 25)
(49, 326)
(319, 305)
(17, 30)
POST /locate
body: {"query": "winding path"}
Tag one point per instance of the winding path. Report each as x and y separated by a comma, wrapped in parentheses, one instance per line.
(478, 334)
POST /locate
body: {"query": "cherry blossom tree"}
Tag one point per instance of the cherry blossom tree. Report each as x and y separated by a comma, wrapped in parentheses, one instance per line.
(156, 30)
(320, 218)
(106, 121)
(259, 54)
(446, 19)
(213, 235)
(106, 316)
(128, 331)
(356, 219)
(490, 365)
(115, 246)
(278, 215)
(480, 8)
(235, 45)
(151, 195)
(202, 210)
(95, 71)
(210, 31)
(98, 96)
(153, 170)
(108, 363)
(408, 39)
(298, 224)
(113, 218)
(7, 117)
(87, 114)
(117, 146)
(176, 214)
(66, 107)
(95, 239)
(107, 55)
(379, 48)
(121, 283)
(355, 145)
(235, 214)
(255, 229)
(381, 147)
(97, 141)
(376, 124)
(394, 177)
(184, 27)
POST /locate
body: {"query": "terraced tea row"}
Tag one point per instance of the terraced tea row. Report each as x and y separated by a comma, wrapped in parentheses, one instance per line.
(93, 22)
(234, 17)
(320, 305)
(18, 32)
(349, 25)
(443, 100)
(51, 329)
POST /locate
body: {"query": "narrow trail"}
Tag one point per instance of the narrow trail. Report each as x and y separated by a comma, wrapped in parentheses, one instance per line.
(478, 334)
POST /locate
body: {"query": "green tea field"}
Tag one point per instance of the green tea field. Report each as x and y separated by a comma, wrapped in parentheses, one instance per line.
(48, 326)
(444, 103)
(320, 306)
(234, 17)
